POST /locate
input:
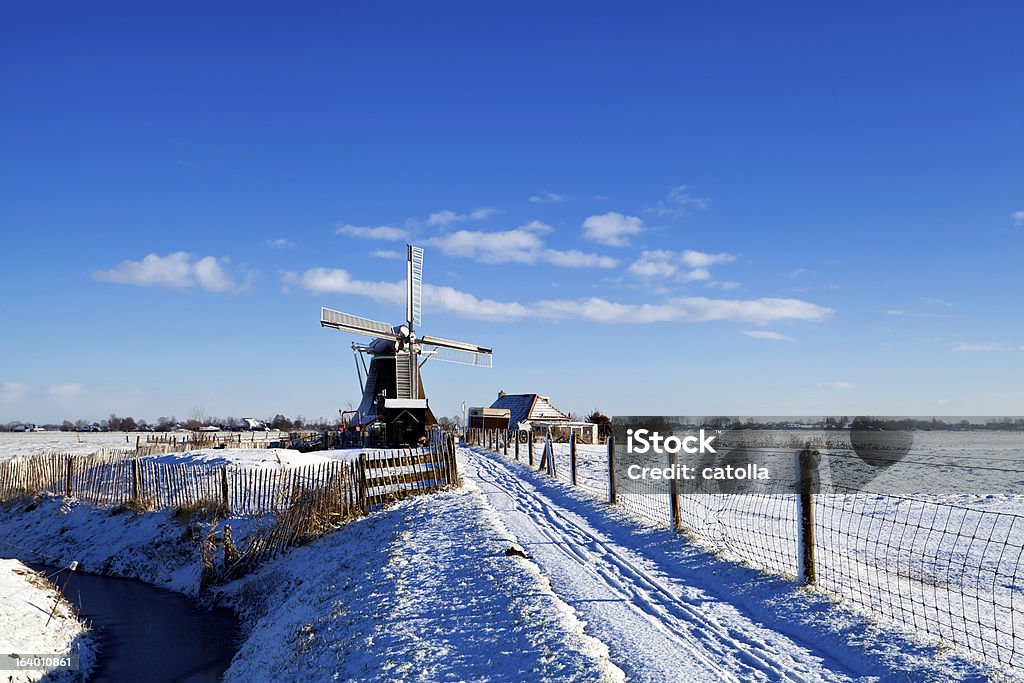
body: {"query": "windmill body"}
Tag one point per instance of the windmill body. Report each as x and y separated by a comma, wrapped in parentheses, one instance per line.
(394, 408)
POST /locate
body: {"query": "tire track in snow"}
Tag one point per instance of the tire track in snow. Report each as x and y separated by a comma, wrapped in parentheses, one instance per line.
(656, 628)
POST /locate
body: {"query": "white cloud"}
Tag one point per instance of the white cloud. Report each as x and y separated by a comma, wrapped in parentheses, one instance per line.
(387, 253)
(507, 246)
(695, 274)
(445, 299)
(211, 276)
(680, 310)
(612, 228)
(63, 390)
(338, 281)
(538, 227)
(699, 259)
(577, 259)
(686, 266)
(835, 385)
(520, 245)
(980, 347)
(380, 232)
(547, 198)
(678, 201)
(729, 284)
(448, 217)
(765, 334)
(179, 270)
(1018, 218)
(279, 243)
(11, 392)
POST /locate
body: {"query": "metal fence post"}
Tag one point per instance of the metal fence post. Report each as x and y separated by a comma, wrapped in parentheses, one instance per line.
(612, 492)
(572, 456)
(807, 574)
(529, 436)
(517, 445)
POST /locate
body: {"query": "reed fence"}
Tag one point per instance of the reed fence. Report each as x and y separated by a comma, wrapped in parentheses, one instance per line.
(301, 502)
(944, 572)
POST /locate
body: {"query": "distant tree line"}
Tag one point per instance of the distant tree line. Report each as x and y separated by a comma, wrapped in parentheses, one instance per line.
(115, 423)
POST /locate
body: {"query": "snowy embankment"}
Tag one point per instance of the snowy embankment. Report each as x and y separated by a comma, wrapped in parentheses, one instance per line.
(670, 611)
(28, 635)
(421, 590)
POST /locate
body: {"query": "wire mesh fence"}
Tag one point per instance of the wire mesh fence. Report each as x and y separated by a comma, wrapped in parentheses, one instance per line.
(947, 573)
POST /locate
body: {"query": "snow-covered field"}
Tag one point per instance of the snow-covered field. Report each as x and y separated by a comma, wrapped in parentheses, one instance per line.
(424, 589)
(668, 611)
(26, 601)
(29, 443)
(63, 442)
(948, 569)
(420, 591)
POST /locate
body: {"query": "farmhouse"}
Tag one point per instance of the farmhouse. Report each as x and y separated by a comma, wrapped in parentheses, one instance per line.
(529, 410)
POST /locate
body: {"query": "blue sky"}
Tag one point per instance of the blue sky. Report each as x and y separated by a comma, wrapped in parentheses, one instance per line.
(680, 208)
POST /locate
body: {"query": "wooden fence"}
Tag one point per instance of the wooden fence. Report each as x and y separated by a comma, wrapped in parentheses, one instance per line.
(294, 504)
(121, 477)
(154, 444)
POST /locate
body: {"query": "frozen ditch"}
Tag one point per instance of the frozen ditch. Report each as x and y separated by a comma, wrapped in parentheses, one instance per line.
(149, 633)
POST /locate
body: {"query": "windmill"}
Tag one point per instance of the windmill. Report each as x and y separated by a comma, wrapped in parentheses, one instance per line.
(393, 394)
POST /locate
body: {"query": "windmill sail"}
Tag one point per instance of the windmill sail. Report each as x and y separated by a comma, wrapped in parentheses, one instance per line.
(353, 323)
(452, 351)
(414, 280)
(480, 360)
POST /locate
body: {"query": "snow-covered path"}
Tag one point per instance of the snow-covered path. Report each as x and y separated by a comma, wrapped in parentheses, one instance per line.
(656, 625)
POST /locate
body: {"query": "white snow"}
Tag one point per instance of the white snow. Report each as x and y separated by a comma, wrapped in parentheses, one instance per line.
(245, 458)
(26, 601)
(82, 443)
(668, 611)
(422, 591)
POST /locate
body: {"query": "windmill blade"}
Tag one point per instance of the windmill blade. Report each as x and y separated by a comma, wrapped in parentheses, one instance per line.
(457, 352)
(460, 356)
(414, 283)
(353, 323)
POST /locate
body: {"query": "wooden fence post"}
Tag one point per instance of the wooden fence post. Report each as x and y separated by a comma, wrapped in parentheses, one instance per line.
(517, 445)
(552, 470)
(504, 444)
(612, 492)
(362, 482)
(224, 487)
(135, 479)
(70, 474)
(673, 492)
(572, 456)
(529, 435)
(807, 574)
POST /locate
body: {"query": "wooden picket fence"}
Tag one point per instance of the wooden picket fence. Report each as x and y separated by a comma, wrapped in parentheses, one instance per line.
(121, 477)
(292, 504)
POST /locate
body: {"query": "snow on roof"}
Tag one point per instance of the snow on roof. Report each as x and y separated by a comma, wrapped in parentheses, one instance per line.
(527, 407)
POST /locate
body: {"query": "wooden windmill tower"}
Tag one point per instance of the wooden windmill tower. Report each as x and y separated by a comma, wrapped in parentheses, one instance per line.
(393, 394)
